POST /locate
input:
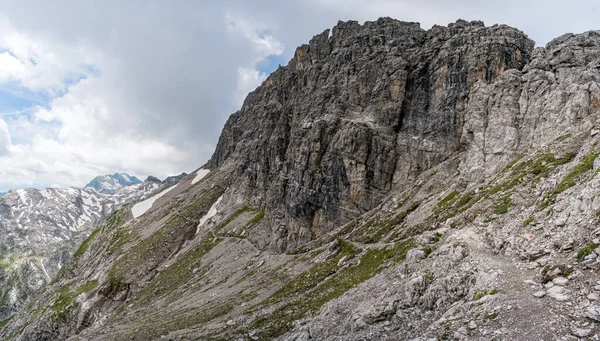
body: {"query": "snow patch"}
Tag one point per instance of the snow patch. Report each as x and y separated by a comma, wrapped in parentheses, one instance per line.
(45, 193)
(12, 296)
(142, 207)
(22, 196)
(211, 213)
(44, 269)
(200, 174)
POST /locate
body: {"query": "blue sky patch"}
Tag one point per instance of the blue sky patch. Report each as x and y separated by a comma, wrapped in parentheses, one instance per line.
(15, 98)
(271, 63)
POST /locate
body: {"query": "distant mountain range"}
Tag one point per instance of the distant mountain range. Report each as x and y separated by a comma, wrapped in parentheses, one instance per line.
(40, 229)
(110, 184)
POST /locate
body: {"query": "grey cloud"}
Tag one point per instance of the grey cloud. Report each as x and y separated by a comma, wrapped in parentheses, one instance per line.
(178, 63)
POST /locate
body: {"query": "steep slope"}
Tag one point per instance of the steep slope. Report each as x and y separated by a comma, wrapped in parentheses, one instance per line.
(40, 230)
(389, 183)
(110, 184)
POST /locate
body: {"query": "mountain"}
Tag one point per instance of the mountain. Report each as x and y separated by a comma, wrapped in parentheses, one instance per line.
(40, 230)
(111, 183)
(389, 183)
(173, 179)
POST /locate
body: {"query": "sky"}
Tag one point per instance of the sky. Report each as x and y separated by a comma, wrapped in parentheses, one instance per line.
(145, 86)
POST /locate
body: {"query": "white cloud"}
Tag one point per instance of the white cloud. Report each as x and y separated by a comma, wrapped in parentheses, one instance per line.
(10, 68)
(263, 45)
(39, 65)
(248, 80)
(80, 135)
(88, 130)
(4, 138)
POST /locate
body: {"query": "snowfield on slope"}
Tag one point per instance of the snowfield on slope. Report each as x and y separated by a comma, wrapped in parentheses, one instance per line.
(211, 213)
(142, 207)
(200, 175)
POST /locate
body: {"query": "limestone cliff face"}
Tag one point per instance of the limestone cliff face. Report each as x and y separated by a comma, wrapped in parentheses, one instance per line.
(555, 93)
(325, 138)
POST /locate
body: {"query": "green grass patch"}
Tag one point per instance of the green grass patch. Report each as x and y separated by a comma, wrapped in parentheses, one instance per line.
(157, 326)
(437, 237)
(586, 250)
(65, 302)
(4, 322)
(150, 251)
(453, 204)
(310, 301)
(563, 137)
(85, 245)
(374, 229)
(480, 295)
(179, 273)
(235, 215)
(532, 170)
(586, 164)
(312, 277)
(16, 332)
(120, 237)
(257, 218)
(570, 180)
(528, 221)
(489, 317)
(549, 199)
(502, 208)
(446, 202)
(512, 163)
(465, 198)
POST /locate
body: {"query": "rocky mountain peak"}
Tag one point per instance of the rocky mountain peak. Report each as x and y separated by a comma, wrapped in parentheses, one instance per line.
(151, 178)
(110, 184)
(355, 113)
(173, 179)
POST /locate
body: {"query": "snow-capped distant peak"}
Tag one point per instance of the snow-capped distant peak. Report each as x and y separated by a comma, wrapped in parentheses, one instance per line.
(110, 184)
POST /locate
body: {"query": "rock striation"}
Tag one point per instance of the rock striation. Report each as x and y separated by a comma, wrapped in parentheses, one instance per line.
(357, 112)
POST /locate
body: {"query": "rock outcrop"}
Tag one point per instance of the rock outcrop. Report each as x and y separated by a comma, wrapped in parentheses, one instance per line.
(373, 106)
